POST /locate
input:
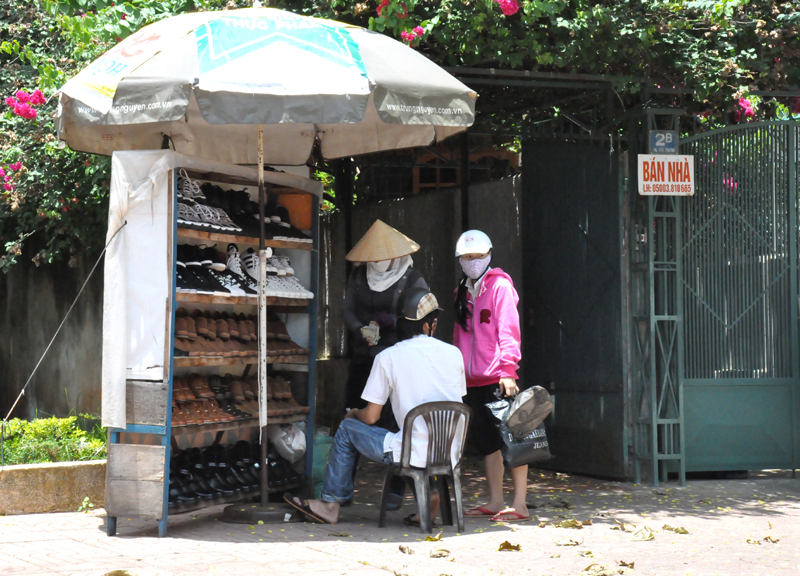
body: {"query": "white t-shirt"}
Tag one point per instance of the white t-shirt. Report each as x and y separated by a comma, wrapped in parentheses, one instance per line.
(410, 373)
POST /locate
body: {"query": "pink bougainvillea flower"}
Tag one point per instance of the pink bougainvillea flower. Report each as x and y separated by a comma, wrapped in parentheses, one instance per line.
(381, 6)
(11, 101)
(37, 97)
(419, 31)
(23, 96)
(8, 187)
(6, 178)
(2, 172)
(25, 111)
(407, 36)
(509, 7)
(15, 166)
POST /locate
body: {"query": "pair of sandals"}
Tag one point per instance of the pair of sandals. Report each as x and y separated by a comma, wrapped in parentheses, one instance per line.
(302, 505)
(505, 515)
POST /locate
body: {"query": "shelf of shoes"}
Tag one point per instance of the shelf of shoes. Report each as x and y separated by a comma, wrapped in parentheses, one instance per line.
(188, 361)
(246, 240)
(279, 304)
(182, 507)
(236, 424)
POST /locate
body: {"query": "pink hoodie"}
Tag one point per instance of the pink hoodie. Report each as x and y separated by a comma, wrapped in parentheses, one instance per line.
(491, 348)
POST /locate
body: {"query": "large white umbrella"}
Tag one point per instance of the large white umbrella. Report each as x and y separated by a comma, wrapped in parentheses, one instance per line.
(207, 80)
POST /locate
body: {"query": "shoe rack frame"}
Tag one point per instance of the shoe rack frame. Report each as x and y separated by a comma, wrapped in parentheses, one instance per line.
(137, 475)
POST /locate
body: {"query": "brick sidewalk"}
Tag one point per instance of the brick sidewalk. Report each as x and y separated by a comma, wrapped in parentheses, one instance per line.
(727, 522)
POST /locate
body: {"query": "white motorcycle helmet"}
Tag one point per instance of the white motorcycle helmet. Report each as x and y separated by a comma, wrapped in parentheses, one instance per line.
(473, 242)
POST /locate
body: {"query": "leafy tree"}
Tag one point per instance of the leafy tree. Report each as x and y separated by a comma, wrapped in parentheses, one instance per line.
(721, 49)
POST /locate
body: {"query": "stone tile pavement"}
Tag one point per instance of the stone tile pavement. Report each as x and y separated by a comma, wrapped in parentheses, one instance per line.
(749, 526)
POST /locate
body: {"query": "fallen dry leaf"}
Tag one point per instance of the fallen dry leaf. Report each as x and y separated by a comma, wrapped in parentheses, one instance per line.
(624, 527)
(771, 540)
(405, 549)
(572, 523)
(676, 529)
(751, 541)
(440, 553)
(625, 564)
(569, 542)
(587, 554)
(542, 524)
(555, 555)
(342, 535)
(509, 547)
(644, 534)
(436, 538)
(600, 570)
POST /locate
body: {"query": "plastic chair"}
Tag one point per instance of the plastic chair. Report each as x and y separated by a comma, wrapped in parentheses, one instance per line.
(442, 420)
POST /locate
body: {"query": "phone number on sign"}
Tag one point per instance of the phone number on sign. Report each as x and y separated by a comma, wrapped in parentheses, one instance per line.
(672, 188)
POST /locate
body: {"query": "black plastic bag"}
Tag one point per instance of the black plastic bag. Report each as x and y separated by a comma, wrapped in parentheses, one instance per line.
(518, 452)
(533, 448)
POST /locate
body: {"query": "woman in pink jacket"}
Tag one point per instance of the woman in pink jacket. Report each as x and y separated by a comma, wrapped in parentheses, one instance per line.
(488, 335)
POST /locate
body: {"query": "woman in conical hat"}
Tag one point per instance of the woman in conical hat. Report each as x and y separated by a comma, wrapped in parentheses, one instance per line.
(386, 270)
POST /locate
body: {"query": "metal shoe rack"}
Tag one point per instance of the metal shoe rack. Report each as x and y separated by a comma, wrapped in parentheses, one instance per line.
(137, 477)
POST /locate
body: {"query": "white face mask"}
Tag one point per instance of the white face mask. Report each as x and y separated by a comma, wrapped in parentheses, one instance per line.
(381, 266)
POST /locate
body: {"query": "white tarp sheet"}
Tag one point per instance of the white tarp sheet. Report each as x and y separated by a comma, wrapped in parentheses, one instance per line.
(138, 279)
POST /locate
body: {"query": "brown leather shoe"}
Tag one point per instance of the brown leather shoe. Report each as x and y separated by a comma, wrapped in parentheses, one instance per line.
(182, 346)
(222, 329)
(244, 331)
(191, 329)
(235, 386)
(233, 327)
(180, 327)
(200, 323)
(178, 393)
(252, 327)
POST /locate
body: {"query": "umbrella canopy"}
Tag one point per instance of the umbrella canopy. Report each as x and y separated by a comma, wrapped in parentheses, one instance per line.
(207, 79)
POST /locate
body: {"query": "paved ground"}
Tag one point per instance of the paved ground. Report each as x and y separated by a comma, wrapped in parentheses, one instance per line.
(747, 527)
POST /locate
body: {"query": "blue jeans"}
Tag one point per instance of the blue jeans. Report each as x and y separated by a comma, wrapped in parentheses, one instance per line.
(352, 438)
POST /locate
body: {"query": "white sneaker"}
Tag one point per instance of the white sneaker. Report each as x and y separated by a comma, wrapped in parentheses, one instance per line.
(291, 289)
(276, 265)
(284, 262)
(298, 287)
(273, 289)
(250, 261)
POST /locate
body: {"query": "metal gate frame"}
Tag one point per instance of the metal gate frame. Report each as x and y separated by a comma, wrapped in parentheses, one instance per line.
(791, 136)
(657, 313)
(656, 328)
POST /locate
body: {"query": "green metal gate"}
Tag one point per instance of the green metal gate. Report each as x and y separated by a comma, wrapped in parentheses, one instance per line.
(739, 290)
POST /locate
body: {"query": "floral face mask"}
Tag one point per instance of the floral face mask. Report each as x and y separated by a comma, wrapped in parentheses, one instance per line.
(475, 268)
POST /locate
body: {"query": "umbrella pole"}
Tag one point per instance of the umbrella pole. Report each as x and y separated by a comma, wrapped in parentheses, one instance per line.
(262, 322)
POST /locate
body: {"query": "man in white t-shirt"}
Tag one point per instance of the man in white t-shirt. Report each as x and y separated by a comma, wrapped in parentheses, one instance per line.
(416, 370)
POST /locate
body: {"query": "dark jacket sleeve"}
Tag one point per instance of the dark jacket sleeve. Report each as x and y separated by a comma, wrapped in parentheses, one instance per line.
(349, 310)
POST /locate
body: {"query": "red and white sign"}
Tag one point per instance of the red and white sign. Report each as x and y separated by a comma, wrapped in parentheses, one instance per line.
(666, 175)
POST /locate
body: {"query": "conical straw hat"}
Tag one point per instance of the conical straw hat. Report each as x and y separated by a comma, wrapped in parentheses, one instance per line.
(382, 242)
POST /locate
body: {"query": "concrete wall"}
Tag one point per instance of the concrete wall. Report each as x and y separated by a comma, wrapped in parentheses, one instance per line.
(33, 302)
(57, 487)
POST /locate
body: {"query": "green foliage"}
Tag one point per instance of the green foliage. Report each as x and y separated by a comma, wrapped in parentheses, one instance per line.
(52, 440)
(715, 47)
(722, 49)
(86, 505)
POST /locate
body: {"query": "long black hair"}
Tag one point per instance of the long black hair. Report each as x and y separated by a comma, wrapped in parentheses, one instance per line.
(462, 310)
